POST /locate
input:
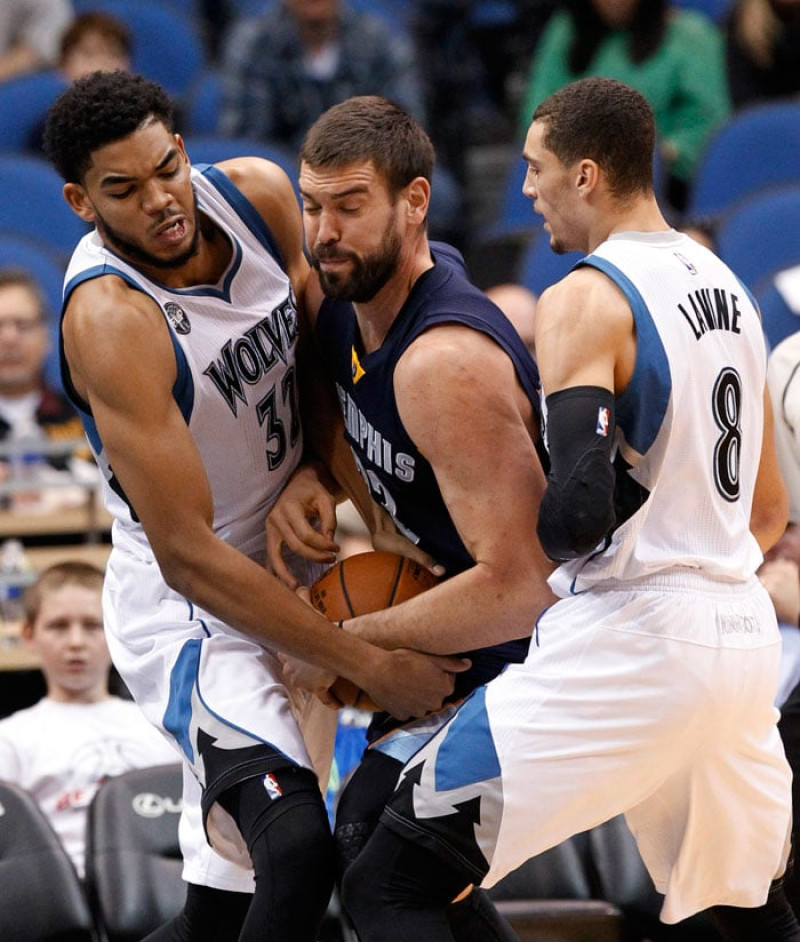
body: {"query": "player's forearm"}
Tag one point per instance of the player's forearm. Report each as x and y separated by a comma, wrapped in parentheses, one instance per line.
(241, 593)
(474, 609)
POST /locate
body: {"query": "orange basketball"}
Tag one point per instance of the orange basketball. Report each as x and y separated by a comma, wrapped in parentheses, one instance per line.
(364, 583)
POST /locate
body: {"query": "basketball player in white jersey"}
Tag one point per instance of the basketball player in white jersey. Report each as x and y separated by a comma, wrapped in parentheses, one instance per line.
(178, 332)
(649, 686)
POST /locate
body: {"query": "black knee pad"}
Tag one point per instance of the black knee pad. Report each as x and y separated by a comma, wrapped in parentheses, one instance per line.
(283, 819)
(209, 915)
(361, 804)
(393, 871)
(256, 802)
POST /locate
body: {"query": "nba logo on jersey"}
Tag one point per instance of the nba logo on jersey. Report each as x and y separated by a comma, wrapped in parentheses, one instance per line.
(177, 317)
(602, 422)
(272, 787)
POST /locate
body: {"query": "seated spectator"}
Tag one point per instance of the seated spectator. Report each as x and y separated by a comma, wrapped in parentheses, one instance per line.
(64, 747)
(281, 70)
(30, 411)
(674, 57)
(29, 34)
(95, 41)
(762, 45)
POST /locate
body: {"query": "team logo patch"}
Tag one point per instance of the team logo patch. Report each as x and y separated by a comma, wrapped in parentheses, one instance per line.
(602, 422)
(177, 317)
(357, 371)
(272, 787)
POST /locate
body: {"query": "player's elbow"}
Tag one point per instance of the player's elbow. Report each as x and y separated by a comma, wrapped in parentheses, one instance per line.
(568, 531)
(180, 567)
(177, 575)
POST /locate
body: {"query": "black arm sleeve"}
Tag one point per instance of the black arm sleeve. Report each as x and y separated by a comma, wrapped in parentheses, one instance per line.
(577, 509)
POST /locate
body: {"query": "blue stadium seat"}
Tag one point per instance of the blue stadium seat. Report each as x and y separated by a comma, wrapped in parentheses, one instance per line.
(758, 148)
(541, 267)
(762, 235)
(516, 215)
(202, 105)
(209, 149)
(167, 42)
(245, 8)
(24, 102)
(32, 204)
(778, 319)
(715, 10)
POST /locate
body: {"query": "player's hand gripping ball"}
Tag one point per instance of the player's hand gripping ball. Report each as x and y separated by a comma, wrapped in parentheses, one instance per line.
(364, 583)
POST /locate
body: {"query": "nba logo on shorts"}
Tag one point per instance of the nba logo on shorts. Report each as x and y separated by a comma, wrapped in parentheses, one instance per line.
(602, 422)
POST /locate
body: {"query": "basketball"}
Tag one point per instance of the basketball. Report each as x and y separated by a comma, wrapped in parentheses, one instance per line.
(364, 583)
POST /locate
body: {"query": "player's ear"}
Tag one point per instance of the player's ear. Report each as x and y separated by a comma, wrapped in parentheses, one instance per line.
(418, 197)
(587, 176)
(78, 201)
(181, 146)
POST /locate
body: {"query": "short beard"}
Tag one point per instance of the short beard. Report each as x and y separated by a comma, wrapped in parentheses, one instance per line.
(133, 253)
(369, 274)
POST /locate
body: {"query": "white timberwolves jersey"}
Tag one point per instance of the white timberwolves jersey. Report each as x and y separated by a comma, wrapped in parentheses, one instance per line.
(235, 347)
(689, 426)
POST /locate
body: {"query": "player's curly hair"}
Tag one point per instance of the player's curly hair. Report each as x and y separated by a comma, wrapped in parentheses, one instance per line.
(96, 110)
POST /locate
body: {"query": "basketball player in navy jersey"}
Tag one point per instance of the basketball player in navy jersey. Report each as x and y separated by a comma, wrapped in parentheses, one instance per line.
(650, 688)
(439, 396)
(178, 333)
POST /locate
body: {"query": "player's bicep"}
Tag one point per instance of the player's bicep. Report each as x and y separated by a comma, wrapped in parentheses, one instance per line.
(154, 459)
(582, 328)
(458, 399)
(126, 375)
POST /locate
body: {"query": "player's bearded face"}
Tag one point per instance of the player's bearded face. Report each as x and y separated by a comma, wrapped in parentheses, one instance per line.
(367, 274)
(133, 251)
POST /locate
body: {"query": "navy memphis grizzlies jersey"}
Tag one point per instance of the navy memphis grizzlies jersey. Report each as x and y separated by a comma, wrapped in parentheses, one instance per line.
(400, 479)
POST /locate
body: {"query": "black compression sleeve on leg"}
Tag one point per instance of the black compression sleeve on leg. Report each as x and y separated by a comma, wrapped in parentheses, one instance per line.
(291, 846)
(775, 921)
(476, 919)
(209, 915)
(397, 890)
(577, 509)
(361, 804)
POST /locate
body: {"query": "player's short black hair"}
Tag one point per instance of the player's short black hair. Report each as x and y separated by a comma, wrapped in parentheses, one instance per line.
(371, 128)
(604, 120)
(96, 110)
